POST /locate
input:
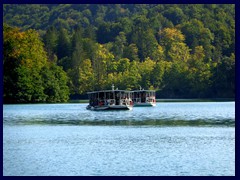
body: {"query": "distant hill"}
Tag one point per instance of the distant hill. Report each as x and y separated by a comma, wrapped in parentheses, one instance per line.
(181, 50)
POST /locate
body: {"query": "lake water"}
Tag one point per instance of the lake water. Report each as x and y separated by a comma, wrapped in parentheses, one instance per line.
(171, 139)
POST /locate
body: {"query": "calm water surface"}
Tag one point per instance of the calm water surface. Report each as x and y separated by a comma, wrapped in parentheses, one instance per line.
(169, 139)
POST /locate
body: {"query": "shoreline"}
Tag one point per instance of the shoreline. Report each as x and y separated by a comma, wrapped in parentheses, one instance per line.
(172, 100)
(157, 100)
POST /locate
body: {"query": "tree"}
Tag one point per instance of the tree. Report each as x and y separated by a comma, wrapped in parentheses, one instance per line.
(176, 83)
(101, 59)
(50, 41)
(24, 57)
(143, 36)
(199, 73)
(131, 78)
(179, 52)
(145, 70)
(171, 37)
(157, 74)
(224, 77)
(78, 54)
(191, 46)
(86, 77)
(175, 14)
(26, 69)
(82, 78)
(120, 43)
(64, 45)
(55, 83)
(123, 65)
(197, 35)
(131, 52)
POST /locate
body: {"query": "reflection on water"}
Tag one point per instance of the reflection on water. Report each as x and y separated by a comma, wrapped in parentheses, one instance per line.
(168, 114)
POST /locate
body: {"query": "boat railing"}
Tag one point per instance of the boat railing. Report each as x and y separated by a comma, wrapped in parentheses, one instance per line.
(150, 99)
(126, 101)
(111, 102)
(123, 102)
(137, 100)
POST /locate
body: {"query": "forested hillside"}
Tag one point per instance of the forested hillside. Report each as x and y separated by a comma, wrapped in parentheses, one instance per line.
(56, 52)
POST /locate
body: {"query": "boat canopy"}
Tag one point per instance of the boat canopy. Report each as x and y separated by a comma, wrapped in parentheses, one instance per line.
(144, 91)
(95, 92)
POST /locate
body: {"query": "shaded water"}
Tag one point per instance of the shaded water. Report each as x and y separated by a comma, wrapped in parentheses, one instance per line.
(169, 139)
(198, 113)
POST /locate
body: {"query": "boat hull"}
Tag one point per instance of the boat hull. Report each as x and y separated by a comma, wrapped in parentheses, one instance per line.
(109, 107)
(144, 104)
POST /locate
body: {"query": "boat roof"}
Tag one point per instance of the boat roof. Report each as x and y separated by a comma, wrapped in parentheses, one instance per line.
(109, 91)
(144, 91)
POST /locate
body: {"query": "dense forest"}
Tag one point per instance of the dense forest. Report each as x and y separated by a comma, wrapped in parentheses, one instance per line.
(59, 51)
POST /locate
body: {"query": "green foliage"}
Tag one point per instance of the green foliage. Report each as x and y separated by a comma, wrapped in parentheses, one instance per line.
(145, 70)
(50, 41)
(199, 73)
(198, 35)
(224, 77)
(131, 52)
(55, 83)
(64, 44)
(24, 51)
(24, 61)
(180, 50)
(157, 74)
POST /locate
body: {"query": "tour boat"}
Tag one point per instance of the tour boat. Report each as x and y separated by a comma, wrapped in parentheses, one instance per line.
(110, 100)
(144, 98)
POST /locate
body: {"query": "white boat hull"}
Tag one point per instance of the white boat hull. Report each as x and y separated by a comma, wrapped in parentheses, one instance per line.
(109, 107)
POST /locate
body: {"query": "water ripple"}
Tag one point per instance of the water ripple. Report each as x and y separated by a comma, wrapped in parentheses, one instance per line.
(164, 114)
